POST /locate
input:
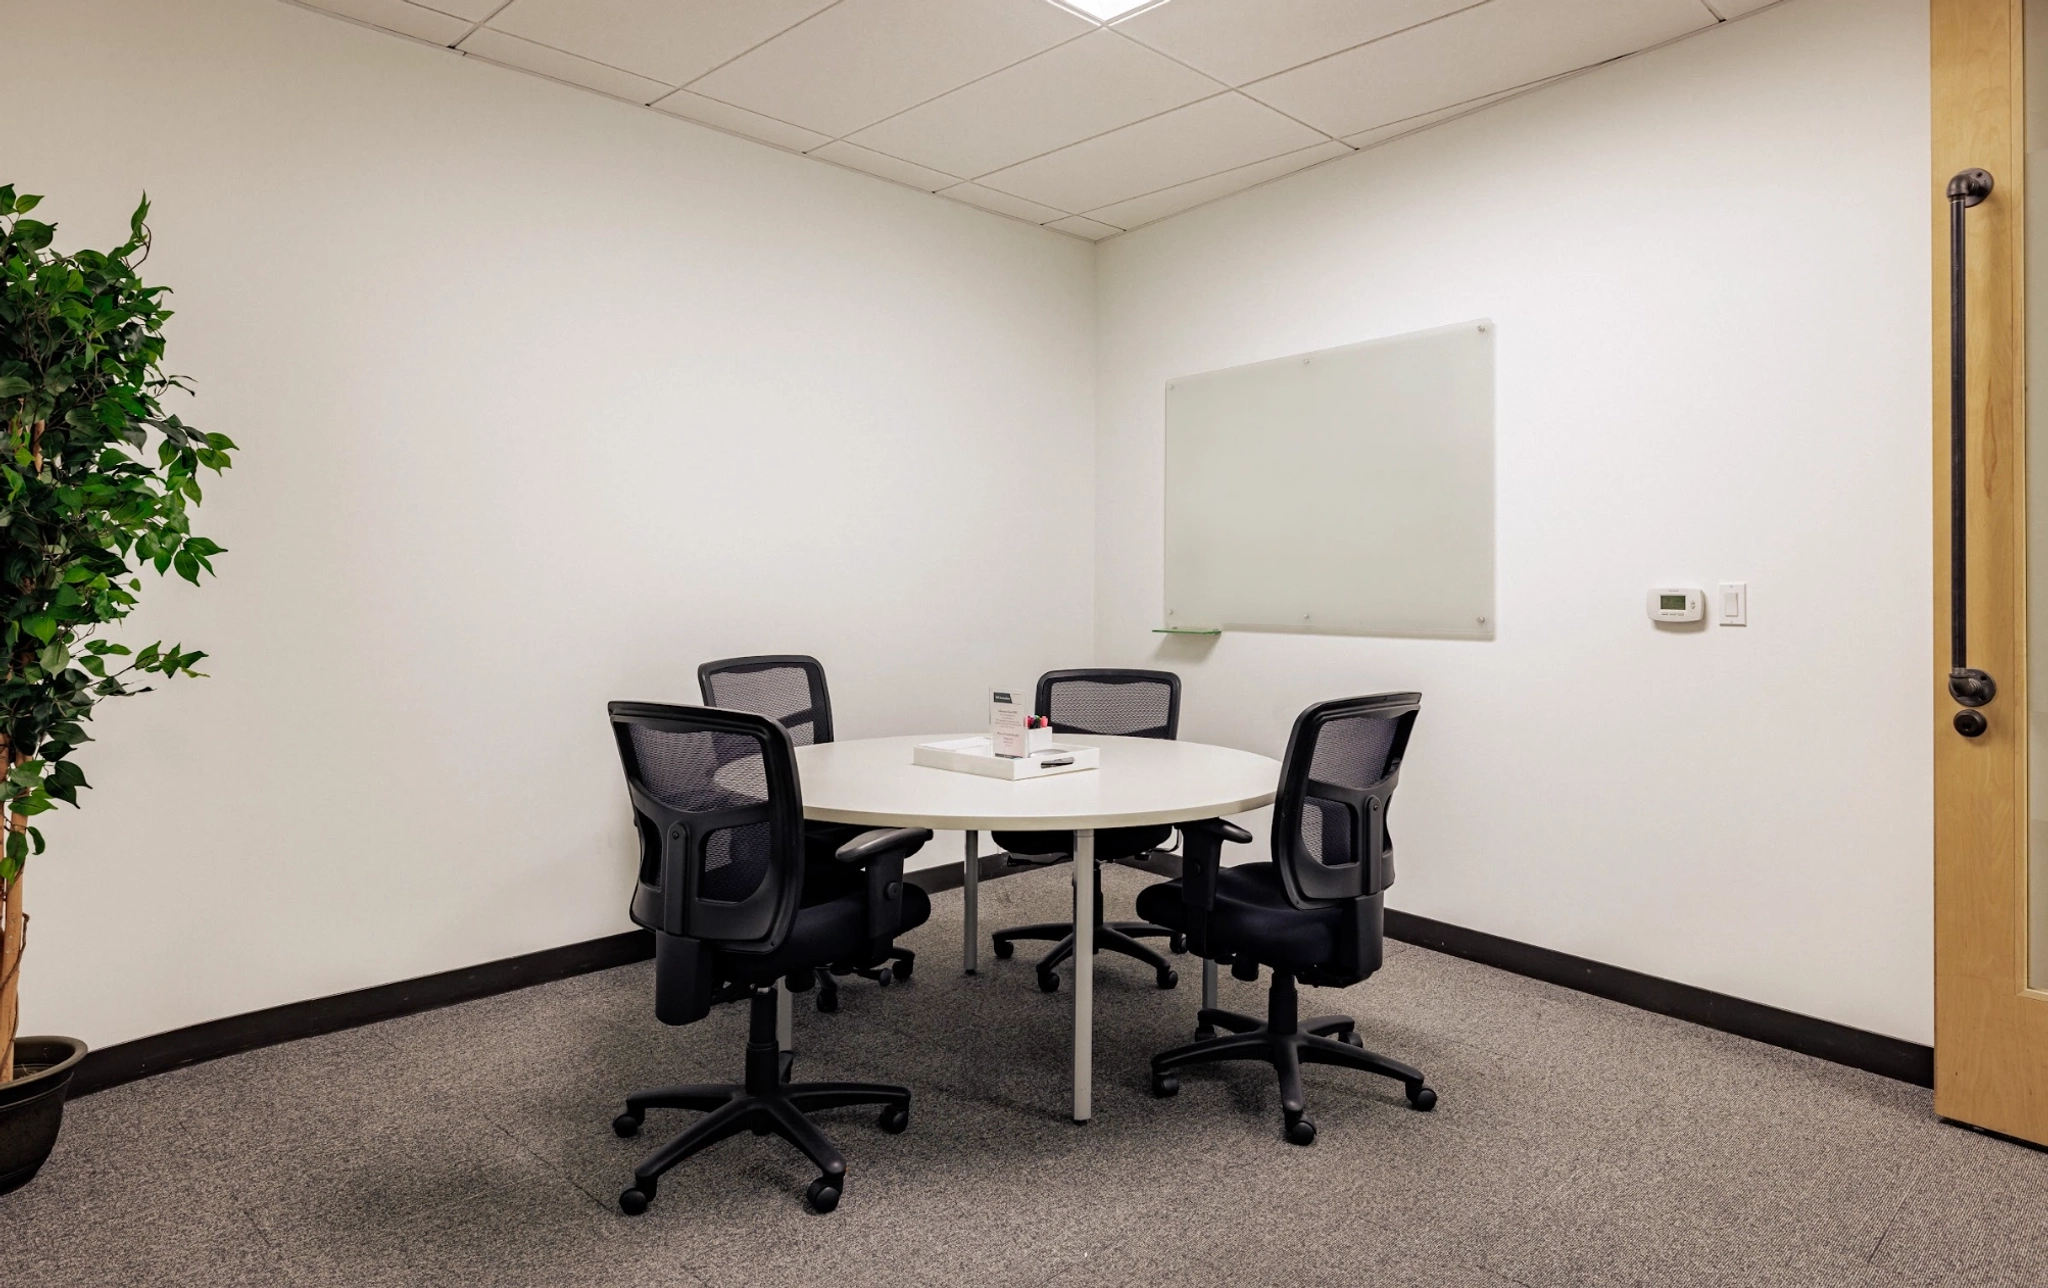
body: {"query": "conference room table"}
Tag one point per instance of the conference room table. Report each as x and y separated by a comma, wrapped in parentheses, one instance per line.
(872, 782)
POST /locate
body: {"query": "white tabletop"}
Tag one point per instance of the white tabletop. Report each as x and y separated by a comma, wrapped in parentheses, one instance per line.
(1141, 781)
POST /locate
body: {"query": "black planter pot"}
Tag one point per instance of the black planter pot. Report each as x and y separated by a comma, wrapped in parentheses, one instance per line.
(32, 1107)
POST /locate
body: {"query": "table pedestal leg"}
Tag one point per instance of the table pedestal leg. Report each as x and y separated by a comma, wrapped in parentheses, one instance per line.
(1084, 974)
(970, 893)
(1208, 983)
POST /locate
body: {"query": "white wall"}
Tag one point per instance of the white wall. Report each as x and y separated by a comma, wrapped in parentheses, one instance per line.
(543, 400)
(1709, 269)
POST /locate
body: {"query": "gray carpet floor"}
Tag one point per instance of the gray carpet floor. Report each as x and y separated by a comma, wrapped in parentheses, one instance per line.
(1577, 1142)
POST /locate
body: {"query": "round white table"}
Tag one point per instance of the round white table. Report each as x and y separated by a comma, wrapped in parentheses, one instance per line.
(871, 781)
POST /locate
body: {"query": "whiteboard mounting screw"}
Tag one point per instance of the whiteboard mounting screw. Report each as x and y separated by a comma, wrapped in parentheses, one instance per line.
(1482, 326)
(1482, 621)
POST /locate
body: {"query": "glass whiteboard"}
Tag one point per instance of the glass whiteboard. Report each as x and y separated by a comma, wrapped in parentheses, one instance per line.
(1348, 492)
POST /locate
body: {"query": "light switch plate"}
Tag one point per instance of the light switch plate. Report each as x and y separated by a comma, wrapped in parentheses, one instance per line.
(1731, 603)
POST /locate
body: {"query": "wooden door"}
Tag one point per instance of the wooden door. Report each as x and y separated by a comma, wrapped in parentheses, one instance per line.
(1991, 1027)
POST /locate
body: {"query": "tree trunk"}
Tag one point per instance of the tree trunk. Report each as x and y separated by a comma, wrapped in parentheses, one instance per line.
(13, 928)
(13, 920)
(10, 973)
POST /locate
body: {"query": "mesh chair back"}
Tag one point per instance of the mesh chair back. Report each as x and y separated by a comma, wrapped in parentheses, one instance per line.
(716, 803)
(788, 688)
(1111, 703)
(1329, 822)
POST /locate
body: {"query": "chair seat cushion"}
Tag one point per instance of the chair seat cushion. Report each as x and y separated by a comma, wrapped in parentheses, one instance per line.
(825, 933)
(1252, 916)
(1111, 843)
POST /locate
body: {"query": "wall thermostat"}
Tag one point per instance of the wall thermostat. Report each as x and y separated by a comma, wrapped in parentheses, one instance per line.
(1673, 604)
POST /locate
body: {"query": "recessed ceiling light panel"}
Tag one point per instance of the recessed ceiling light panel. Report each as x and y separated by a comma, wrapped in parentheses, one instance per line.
(1108, 11)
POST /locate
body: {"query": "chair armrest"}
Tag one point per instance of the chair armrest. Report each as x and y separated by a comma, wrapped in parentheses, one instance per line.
(882, 852)
(1221, 827)
(1201, 856)
(865, 848)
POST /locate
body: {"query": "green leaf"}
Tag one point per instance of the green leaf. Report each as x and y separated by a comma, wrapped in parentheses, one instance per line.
(84, 502)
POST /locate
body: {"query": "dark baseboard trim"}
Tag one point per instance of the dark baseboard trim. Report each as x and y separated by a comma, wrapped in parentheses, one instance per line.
(162, 1052)
(1824, 1039)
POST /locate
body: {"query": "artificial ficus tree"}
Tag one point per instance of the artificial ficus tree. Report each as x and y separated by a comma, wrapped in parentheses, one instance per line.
(95, 482)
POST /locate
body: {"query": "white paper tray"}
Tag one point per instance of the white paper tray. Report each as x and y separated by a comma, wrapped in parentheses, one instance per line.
(977, 756)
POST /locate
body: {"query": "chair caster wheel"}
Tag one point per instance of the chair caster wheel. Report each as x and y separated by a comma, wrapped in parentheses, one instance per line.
(1352, 1039)
(1004, 948)
(1421, 1097)
(1048, 981)
(882, 979)
(1300, 1131)
(823, 1195)
(1164, 1085)
(901, 970)
(1177, 944)
(1169, 977)
(634, 1201)
(894, 1118)
(627, 1125)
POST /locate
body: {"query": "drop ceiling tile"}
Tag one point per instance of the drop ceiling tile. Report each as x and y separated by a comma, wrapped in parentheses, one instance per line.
(473, 10)
(862, 60)
(660, 39)
(1002, 203)
(1219, 36)
(397, 15)
(1395, 129)
(497, 47)
(1185, 196)
(1088, 228)
(1497, 46)
(1200, 139)
(738, 120)
(1068, 93)
(859, 158)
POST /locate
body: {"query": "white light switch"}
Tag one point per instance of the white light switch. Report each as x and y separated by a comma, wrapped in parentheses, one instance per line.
(1734, 605)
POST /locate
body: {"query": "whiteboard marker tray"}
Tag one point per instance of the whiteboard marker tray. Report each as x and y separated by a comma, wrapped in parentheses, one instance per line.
(978, 756)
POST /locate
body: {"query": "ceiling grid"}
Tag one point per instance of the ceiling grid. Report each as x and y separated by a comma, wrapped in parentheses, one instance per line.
(1036, 111)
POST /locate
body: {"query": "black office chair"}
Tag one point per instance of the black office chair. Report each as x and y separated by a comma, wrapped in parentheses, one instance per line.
(790, 689)
(1131, 704)
(720, 816)
(1313, 913)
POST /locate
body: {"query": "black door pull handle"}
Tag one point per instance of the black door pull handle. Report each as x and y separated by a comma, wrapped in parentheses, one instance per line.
(1970, 687)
